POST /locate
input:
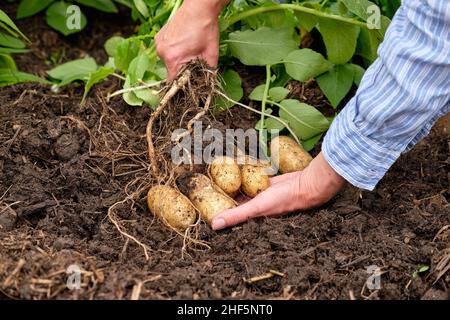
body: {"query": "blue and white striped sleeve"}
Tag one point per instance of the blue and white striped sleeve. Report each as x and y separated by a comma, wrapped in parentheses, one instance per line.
(400, 97)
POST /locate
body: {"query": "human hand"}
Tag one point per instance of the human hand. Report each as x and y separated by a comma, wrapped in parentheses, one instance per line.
(314, 186)
(193, 32)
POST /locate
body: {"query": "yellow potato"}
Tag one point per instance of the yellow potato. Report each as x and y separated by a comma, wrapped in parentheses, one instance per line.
(208, 200)
(226, 175)
(171, 206)
(255, 179)
(288, 155)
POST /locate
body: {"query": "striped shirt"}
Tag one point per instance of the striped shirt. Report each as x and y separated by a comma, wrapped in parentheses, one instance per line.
(400, 96)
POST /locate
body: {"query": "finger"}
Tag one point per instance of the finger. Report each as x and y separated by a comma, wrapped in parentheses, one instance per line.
(268, 202)
(284, 177)
(211, 58)
(172, 71)
(242, 198)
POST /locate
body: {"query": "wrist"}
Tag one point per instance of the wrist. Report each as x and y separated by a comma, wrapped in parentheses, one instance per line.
(323, 181)
(210, 7)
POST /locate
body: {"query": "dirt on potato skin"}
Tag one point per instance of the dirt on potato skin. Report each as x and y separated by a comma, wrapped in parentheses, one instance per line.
(64, 165)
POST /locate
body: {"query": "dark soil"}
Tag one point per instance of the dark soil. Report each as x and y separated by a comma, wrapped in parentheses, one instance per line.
(64, 165)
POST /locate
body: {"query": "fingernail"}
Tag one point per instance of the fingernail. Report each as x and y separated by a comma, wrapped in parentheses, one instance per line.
(218, 224)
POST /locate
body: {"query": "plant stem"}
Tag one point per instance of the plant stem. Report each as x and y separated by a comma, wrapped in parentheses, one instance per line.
(259, 112)
(294, 7)
(132, 89)
(119, 76)
(263, 109)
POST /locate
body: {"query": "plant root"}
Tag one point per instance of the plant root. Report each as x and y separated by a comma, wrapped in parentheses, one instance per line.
(177, 85)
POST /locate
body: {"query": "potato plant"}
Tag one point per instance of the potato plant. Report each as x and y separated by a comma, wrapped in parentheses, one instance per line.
(12, 41)
(263, 33)
(268, 34)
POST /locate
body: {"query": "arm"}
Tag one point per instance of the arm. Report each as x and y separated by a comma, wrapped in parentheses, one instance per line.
(400, 97)
(192, 33)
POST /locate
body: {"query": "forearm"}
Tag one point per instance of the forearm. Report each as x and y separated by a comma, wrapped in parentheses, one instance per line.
(402, 94)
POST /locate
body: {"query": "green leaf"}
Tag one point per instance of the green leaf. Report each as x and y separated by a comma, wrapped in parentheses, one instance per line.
(94, 78)
(73, 70)
(361, 9)
(274, 19)
(11, 42)
(261, 47)
(10, 26)
(305, 64)
(130, 97)
(423, 269)
(305, 120)
(11, 77)
(63, 20)
(336, 83)
(358, 7)
(28, 8)
(232, 86)
(340, 39)
(126, 52)
(149, 96)
(278, 93)
(142, 7)
(282, 77)
(307, 21)
(12, 50)
(111, 45)
(137, 68)
(273, 124)
(358, 73)
(368, 43)
(102, 5)
(309, 144)
(7, 62)
(257, 93)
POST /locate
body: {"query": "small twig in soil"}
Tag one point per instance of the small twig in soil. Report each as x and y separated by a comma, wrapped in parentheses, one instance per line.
(264, 276)
(9, 280)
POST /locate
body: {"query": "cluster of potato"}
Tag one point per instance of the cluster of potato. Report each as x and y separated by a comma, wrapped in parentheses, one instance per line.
(209, 197)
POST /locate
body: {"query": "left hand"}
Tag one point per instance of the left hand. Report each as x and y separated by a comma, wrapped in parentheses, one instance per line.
(192, 33)
(314, 186)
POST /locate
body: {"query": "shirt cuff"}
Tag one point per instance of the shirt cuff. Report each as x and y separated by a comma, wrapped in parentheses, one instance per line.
(357, 158)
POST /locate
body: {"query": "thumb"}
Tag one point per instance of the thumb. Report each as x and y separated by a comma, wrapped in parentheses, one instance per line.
(172, 71)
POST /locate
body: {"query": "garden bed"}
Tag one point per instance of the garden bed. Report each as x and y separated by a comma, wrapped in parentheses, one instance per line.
(64, 165)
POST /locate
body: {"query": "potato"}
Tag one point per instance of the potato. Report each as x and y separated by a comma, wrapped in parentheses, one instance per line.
(206, 197)
(226, 175)
(255, 179)
(289, 156)
(171, 206)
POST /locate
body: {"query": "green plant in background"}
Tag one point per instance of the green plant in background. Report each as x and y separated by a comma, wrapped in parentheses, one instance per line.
(133, 60)
(264, 33)
(57, 11)
(388, 7)
(261, 33)
(12, 41)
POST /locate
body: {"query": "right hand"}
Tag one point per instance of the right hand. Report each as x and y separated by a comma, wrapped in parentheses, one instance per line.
(300, 190)
(193, 32)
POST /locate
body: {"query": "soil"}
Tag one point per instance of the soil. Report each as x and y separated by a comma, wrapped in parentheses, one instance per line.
(64, 165)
